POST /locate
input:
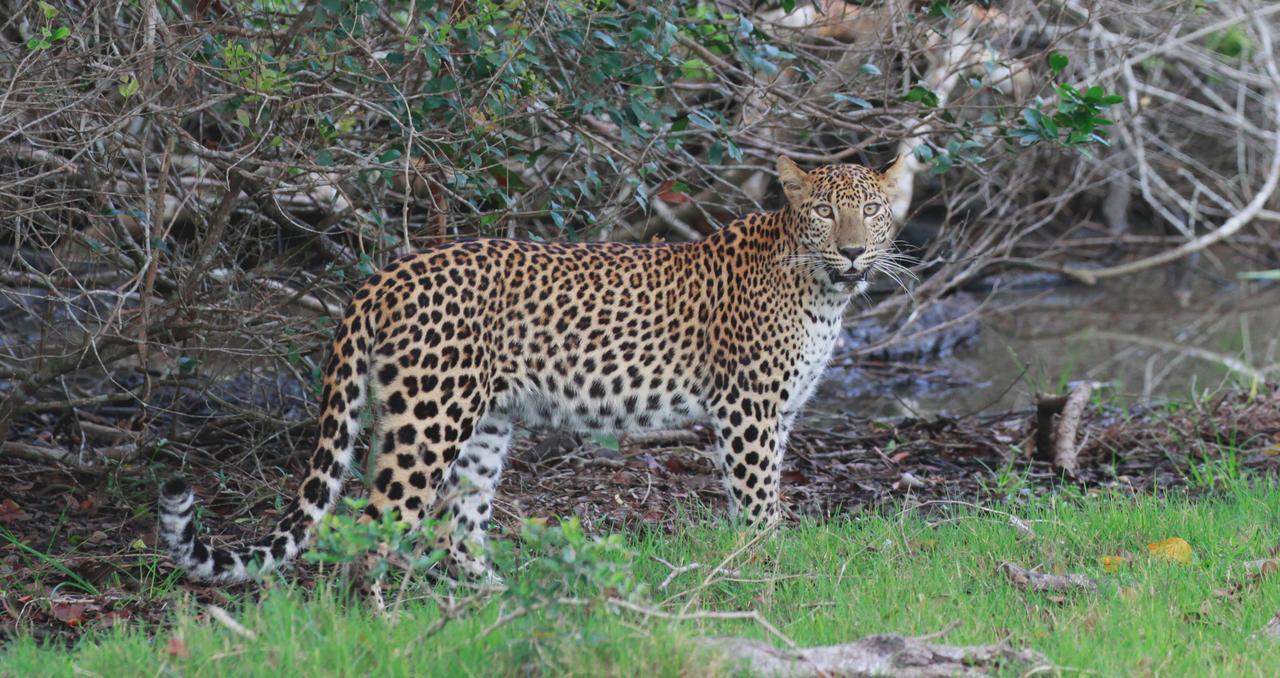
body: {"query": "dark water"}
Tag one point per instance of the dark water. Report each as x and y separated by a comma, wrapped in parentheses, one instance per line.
(1133, 334)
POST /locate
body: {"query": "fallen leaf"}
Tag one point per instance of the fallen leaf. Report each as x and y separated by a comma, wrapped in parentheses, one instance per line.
(794, 477)
(1258, 569)
(178, 648)
(1174, 548)
(10, 512)
(908, 479)
(1112, 564)
(675, 465)
(114, 617)
(672, 192)
(71, 614)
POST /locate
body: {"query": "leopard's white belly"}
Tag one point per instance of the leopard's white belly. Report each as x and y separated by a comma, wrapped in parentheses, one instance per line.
(822, 327)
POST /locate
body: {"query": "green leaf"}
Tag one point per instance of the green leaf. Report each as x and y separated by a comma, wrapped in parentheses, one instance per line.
(701, 120)
(606, 441)
(50, 12)
(788, 6)
(605, 38)
(1032, 118)
(1049, 128)
(60, 33)
(324, 158)
(365, 265)
(187, 364)
(942, 8)
(1057, 62)
(1273, 274)
(922, 95)
(857, 101)
(128, 86)
(695, 69)
(242, 117)
(715, 153)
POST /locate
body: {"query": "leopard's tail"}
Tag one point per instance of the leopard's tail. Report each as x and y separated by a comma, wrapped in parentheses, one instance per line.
(345, 390)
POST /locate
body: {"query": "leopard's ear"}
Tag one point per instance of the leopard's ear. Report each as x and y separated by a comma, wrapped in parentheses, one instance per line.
(896, 182)
(795, 183)
(891, 179)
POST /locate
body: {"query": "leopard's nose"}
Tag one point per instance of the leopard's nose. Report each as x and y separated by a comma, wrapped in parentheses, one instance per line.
(852, 253)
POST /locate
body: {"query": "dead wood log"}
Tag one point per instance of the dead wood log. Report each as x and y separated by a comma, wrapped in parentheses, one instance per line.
(1047, 583)
(1047, 407)
(1056, 442)
(66, 457)
(42, 453)
(878, 655)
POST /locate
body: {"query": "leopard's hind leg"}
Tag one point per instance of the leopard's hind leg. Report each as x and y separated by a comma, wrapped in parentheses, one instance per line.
(428, 418)
(471, 487)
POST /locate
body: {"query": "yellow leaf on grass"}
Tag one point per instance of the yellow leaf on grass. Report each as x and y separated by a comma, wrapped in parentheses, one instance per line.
(1174, 548)
(1112, 564)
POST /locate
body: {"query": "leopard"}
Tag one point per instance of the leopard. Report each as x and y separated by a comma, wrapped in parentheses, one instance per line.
(455, 345)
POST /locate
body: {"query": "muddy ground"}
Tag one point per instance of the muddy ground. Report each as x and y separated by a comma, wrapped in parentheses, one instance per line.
(76, 543)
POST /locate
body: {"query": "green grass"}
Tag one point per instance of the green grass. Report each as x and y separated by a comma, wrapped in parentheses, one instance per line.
(907, 573)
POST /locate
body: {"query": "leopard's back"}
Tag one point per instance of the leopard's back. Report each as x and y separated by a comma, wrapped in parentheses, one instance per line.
(587, 337)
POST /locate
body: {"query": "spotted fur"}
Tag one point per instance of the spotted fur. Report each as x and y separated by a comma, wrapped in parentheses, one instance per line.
(468, 337)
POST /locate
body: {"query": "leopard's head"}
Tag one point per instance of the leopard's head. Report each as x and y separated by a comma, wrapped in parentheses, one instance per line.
(842, 217)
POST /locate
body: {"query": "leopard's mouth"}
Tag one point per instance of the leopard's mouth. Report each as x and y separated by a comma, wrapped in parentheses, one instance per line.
(849, 276)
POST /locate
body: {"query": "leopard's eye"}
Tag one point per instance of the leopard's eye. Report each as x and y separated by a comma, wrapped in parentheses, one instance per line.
(870, 209)
(823, 211)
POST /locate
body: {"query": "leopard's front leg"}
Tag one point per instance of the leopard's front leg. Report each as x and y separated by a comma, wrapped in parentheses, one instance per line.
(750, 451)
